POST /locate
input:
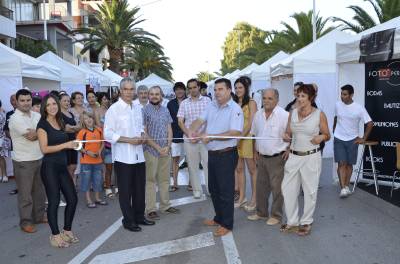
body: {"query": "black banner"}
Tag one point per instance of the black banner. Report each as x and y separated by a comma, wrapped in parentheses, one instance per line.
(377, 46)
(382, 101)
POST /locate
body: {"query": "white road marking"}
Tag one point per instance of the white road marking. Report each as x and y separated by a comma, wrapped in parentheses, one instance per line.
(231, 252)
(156, 250)
(95, 244)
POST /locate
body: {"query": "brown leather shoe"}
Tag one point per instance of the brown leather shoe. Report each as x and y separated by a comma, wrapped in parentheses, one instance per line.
(210, 222)
(221, 231)
(28, 228)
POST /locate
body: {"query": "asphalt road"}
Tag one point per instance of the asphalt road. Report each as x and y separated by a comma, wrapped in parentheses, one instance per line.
(360, 229)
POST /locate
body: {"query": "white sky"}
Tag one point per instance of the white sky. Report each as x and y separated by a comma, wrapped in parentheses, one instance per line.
(193, 32)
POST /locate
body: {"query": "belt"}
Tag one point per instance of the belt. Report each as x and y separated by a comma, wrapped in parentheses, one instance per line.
(305, 153)
(273, 155)
(221, 150)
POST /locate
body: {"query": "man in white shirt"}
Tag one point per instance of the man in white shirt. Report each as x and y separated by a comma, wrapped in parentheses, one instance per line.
(348, 116)
(123, 127)
(27, 160)
(270, 122)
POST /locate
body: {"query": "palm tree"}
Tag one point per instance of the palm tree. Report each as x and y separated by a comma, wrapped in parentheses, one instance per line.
(384, 11)
(116, 28)
(145, 60)
(290, 39)
(205, 76)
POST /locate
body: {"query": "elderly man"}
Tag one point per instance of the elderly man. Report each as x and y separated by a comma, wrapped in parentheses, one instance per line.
(270, 123)
(123, 127)
(223, 118)
(189, 110)
(157, 125)
(143, 96)
(27, 160)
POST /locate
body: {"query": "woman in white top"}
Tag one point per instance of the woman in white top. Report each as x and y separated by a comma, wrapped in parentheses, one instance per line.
(307, 128)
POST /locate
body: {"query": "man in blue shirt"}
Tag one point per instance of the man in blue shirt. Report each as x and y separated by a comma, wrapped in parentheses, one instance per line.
(223, 118)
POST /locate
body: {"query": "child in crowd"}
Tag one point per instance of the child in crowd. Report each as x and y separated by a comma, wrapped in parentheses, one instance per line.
(91, 161)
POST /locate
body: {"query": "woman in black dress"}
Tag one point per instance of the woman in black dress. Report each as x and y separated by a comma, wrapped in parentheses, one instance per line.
(71, 127)
(53, 141)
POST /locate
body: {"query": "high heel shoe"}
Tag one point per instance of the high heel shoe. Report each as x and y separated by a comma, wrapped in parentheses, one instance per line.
(58, 242)
(69, 237)
(239, 204)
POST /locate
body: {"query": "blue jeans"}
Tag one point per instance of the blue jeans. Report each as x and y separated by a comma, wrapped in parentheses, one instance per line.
(91, 174)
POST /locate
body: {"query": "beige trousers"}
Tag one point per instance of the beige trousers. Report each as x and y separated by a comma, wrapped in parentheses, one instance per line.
(301, 171)
(194, 154)
(157, 173)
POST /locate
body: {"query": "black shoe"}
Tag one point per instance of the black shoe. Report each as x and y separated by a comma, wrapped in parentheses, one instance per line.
(132, 227)
(200, 166)
(184, 165)
(146, 222)
(13, 192)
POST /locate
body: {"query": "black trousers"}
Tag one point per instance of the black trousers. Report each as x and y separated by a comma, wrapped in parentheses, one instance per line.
(131, 187)
(221, 184)
(56, 178)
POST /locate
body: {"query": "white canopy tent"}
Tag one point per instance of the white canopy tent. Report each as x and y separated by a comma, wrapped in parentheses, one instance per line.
(73, 78)
(99, 81)
(18, 70)
(350, 71)
(246, 71)
(115, 78)
(315, 63)
(153, 80)
(260, 76)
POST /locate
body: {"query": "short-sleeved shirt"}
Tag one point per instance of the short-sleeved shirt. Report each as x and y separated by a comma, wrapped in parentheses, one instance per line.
(271, 128)
(24, 149)
(156, 119)
(191, 109)
(86, 134)
(221, 119)
(348, 120)
(54, 137)
(173, 107)
(70, 121)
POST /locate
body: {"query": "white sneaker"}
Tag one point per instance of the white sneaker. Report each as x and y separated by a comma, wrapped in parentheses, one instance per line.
(348, 190)
(196, 194)
(62, 203)
(4, 179)
(343, 193)
(116, 190)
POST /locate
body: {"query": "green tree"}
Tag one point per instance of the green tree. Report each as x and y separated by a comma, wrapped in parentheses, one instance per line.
(33, 48)
(205, 76)
(242, 37)
(146, 60)
(291, 38)
(384, 11)
(116, 28)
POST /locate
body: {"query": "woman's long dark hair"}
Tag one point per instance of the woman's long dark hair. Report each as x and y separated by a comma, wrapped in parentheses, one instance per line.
(43, 111)
(246, 82)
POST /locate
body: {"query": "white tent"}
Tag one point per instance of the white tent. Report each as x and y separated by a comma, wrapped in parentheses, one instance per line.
(73, 78)
(350, 71)
(115, 78)
(99, 81)
(260, 76)
(315, 63)
(18, 70)
(153, 80)
(245, 71)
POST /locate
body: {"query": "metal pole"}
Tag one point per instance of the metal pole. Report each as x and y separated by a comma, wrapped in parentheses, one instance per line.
(314, 22)
(44, 20)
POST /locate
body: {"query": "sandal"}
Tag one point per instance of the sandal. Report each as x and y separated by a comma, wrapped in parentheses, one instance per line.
(91, 205)
(69, 237)
(101, 202)
(285, 228)
(189, 188)
(304, 230)
(173, 188)
(58, 242)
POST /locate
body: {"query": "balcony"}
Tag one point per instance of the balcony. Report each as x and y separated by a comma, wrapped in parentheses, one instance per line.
(7, 23)
(5, 12)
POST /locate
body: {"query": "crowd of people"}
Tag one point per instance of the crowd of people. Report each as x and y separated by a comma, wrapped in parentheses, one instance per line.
(131, 146)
